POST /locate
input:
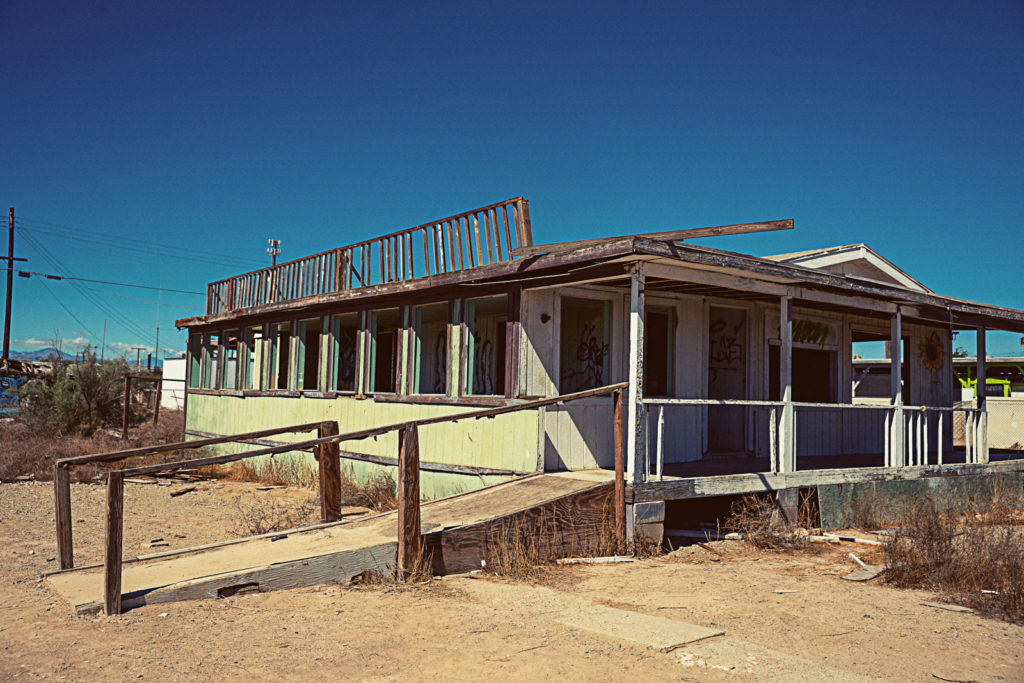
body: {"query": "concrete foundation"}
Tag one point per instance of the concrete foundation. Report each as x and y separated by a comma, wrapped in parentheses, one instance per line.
(844, 505)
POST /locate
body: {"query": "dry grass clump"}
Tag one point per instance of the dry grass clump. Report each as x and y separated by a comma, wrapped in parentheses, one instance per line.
(764, 526)
(379, 492)
(513, 551)
(960, 557)
(261, 515)
(270, 471)
(24, 450)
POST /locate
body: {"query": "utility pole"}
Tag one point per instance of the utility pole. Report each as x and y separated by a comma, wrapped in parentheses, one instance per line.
(10, 284)
(273, 248)
(103, 344)
(138, 357)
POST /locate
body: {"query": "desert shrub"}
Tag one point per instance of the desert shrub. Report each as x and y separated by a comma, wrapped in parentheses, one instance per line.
(758, 518)
(261, 515)
(82, 396)
(959, 557)
(379, 491)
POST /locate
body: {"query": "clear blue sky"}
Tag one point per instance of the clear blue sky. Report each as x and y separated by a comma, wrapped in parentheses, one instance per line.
(200, 129)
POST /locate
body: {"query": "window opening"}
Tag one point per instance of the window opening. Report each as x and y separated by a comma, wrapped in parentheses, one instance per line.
(211, 353)
(431, 354)
(308, 361)
(230, 345)
(195, 359)
(251, 361)
(346, 336)
(585, 344)
(384, 371)
(485, 357)
(280, 368)
(659, 329)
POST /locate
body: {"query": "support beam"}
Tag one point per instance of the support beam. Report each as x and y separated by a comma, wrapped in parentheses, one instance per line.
(409, 539)
(62, 512)
(982, 444)
(112, 543)
(636, 425)
(620, 478)
(897, 444)
(787, 433)
(330, 474)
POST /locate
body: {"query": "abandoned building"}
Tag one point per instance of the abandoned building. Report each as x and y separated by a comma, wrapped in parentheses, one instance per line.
(740, 369)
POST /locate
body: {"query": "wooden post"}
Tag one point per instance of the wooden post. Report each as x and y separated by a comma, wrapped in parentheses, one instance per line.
(156, 403)
(787, 429)
(409, 541)
(62, 511)
(112, 544)
(636, 447)
(620, 478)
(125, 408)
(897, 445)
(982, 443)
(330, 474)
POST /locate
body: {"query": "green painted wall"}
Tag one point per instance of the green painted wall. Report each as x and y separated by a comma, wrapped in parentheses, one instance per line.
(505, 442)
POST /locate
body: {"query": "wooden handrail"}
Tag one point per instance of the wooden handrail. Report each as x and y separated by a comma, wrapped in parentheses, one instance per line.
(409, 532)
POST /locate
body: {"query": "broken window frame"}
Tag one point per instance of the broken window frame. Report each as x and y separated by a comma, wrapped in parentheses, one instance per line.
(210, 369)
(416, 348)
(274, 357)
(301, 354)
(468, 344)
(250, 358)
(228, 377)
(373, 336)
(334, 351)
(195, 361)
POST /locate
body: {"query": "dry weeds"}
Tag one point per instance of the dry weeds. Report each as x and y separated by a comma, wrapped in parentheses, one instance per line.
(258, 515)
(975, 559)
(759, 519)
(27, 452)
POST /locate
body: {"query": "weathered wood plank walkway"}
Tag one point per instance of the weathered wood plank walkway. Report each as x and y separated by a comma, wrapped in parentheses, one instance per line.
(456, 531)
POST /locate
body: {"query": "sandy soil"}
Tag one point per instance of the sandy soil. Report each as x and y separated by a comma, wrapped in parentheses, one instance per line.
(462, 628)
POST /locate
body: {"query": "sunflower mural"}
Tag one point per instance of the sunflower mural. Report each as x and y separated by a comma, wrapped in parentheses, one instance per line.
(931, 352)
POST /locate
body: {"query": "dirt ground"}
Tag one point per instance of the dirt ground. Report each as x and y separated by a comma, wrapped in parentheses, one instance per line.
(467, 628)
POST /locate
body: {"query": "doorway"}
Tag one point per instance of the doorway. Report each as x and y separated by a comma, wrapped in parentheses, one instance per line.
(727, 379)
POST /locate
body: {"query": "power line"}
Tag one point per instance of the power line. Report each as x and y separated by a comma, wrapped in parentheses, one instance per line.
(116, 315)
(73, 232)
(48, 276)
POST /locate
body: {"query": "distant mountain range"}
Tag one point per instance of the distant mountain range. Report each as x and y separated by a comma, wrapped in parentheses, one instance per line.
(41, 354)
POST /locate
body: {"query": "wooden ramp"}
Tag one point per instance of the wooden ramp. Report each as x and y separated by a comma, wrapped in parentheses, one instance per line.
(566, 513)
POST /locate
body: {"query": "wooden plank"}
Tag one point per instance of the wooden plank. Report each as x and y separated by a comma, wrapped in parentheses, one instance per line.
(112, 544)
(527, 226)
(508, 235)
(497, 234)
(620, 476)
(409, 536)
(666, 235)
(167, 448)
(62, 512)
(487, 234)
(330, 474)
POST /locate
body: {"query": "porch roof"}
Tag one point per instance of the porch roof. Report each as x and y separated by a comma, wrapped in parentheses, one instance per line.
(672, 265)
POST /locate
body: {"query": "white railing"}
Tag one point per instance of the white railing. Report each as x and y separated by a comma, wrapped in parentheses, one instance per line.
(858, 429)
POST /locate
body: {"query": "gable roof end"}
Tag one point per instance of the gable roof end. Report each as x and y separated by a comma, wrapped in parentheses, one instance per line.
(853, 260)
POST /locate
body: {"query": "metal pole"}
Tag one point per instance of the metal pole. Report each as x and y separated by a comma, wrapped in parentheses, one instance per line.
(10, 285)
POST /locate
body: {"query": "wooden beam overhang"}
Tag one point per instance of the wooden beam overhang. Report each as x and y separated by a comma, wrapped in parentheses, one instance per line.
(671, 267)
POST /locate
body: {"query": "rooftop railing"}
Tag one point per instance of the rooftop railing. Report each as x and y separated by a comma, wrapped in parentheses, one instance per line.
(466, 240)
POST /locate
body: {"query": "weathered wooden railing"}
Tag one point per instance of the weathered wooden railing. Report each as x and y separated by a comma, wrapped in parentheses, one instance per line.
(466, 240)
(62, 474)
(327, 445)
(918, 422)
